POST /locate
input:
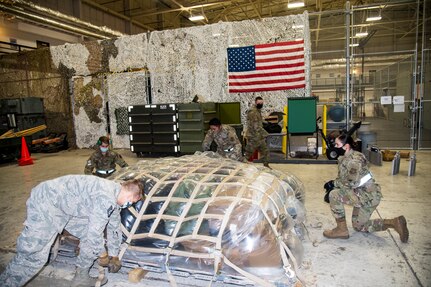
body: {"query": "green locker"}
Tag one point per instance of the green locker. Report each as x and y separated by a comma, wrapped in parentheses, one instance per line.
(193, 121)
(229, 113)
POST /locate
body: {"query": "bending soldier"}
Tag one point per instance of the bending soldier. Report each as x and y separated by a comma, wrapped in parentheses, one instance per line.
(256, 134)
(103, 160)
(356, 186)
(228, 144)
(84, 206)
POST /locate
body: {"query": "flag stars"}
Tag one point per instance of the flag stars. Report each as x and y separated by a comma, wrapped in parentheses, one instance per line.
(241, 59)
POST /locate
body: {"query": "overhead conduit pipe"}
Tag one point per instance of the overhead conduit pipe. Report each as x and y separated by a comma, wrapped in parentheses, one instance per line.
(29, 11)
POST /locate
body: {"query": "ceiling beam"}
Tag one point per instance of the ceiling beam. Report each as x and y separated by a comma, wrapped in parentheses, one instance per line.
(122, 16)
(158, 12)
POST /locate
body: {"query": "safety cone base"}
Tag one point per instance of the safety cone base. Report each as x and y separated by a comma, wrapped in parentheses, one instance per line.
(26, 161)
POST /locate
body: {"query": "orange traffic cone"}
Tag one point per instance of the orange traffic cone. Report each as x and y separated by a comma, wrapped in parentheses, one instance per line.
(25, 155)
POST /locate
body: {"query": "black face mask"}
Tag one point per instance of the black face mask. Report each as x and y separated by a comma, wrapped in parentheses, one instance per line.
(259, 106)
(340, 151)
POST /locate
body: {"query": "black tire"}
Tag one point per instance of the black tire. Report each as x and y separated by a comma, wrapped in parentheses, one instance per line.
(331, 154)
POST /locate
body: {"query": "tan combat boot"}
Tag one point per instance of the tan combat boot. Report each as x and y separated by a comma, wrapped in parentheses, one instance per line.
(340, 231)
(83, 279)
(400, 225)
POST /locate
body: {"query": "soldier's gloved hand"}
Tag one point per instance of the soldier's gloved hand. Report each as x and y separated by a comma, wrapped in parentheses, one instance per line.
(103, 259)
(114, 264)
(328, 186)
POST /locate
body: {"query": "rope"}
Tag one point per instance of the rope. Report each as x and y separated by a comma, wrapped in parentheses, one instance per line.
(142, 210)
(171, 277)
(247, 275)
(100, 277)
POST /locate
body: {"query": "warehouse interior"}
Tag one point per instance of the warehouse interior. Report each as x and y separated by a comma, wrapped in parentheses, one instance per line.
(78, 66)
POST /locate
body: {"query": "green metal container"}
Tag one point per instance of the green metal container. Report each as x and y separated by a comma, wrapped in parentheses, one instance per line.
(229, 113)
(193, 119)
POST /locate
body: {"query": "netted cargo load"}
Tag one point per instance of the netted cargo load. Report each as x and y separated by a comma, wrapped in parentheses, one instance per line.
(211, 218)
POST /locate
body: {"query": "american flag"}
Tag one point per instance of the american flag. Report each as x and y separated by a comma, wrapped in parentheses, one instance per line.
(266, 67)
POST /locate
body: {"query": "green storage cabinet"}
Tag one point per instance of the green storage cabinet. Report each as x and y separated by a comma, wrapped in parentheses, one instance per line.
(209, 111)
(229, 113)
(301, 113)
(193, 119)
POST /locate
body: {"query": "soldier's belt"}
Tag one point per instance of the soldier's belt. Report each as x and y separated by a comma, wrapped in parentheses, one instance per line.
(228, 150)
(105, 171)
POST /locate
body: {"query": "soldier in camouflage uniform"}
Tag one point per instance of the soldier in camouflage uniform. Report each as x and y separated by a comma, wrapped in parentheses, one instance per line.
(228, 144)
(356, 186)
(103, 160)
(256, 134)
(84, 206)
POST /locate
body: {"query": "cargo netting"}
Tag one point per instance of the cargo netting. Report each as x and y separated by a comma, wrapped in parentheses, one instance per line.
(217, 219)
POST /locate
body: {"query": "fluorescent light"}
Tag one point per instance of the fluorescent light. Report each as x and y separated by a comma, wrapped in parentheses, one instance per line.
(354, 45)
(196, 18)
(295, 4)
(374, 18)
(361, 34)
(297, 26)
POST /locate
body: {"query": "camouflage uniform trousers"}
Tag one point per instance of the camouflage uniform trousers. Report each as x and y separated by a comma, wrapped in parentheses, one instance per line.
(33, 245)
(364, 201)
(259, 145)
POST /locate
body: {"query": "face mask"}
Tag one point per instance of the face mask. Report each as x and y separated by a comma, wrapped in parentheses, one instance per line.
(340, 151)
(216, 130)
(126, 205)
(259, 106)
(104, 149)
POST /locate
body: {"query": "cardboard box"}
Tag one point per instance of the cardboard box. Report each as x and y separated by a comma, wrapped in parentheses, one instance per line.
(388, 155)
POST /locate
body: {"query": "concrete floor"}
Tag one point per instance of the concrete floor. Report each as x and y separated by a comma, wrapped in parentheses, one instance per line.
(363, 260)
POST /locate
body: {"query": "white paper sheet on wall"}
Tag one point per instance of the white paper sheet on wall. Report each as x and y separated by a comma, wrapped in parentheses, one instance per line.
(398, 100)
(385, 100)
(399, 108)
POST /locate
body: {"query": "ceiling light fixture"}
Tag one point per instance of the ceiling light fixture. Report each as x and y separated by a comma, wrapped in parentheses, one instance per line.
(195, 18)
(361, 34)
(295, 4)
(354, 45)
(374, 16)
